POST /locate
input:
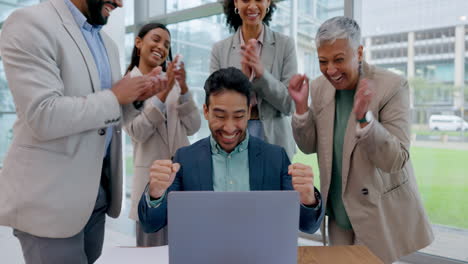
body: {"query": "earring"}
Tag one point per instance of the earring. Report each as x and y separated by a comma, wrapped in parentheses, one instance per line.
(138, 52)
(268, 9)
(236, 10)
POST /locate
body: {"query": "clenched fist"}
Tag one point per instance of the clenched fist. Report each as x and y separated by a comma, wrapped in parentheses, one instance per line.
(162, 174)
(303, 182)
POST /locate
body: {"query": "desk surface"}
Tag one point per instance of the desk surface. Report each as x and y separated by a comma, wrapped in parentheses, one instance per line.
(336, 255)
(306, 255)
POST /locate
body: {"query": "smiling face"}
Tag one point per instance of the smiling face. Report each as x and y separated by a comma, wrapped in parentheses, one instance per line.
(99, 10)
(227, 115)
(339, 63)
(252, 12)
(154, 48)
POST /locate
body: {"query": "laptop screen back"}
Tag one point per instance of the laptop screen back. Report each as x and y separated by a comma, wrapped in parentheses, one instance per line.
(233, 227)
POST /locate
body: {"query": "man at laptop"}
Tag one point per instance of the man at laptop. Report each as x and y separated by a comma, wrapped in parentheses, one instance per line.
(229, 159)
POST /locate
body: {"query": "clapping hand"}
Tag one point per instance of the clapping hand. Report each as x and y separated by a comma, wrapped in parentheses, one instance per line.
(362, 98)
(250, 61)
(130, 89)
(180, 74)
(158, 83)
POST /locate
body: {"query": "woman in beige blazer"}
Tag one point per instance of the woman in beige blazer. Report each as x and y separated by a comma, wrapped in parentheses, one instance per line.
(359, 126)
(165, 120)
(269, 59)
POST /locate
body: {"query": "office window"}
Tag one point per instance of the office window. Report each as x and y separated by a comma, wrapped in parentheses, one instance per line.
(438, 157)
(177, 5)
(7, 107)
(310, 67)
(399, 69)
(7, 7)
(435, 33)
(281, 20)
(307, 7)
(194, 39)
(390, 39)
(433, 49)
(389, 53)
(7, 115)
(466, 72)
(129, 6)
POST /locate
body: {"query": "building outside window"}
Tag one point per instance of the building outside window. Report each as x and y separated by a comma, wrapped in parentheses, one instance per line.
(435, 38)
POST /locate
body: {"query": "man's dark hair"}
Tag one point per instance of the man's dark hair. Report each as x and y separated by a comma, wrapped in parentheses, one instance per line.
(231, 79)
(233, 20)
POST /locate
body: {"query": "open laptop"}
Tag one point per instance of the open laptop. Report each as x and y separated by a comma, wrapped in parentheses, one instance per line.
(233, 227)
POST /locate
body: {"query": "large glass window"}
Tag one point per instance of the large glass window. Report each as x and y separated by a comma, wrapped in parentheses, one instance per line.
(8, 6)
(399, 69)
(466, 69)
(6, 132)
(7, 115)
(177, 5)
(194, 39)
(281, 20)
(438, 156)
(7, 107)
(437, 71)
(129, 6)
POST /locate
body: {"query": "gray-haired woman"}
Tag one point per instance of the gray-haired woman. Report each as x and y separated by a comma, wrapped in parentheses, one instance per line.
(359, 126)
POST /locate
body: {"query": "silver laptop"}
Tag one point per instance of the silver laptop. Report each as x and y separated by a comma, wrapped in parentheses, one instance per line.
(233, 227)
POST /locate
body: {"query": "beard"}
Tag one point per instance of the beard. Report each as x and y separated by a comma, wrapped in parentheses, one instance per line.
(94, 15)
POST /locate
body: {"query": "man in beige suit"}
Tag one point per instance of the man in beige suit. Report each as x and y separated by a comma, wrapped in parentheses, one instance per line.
(63, 171)
(359, 125)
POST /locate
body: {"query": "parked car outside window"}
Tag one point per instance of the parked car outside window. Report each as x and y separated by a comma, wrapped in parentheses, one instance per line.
(447, 123)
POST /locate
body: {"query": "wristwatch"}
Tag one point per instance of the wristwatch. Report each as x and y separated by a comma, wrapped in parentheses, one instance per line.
(138, 104)
(368, 117)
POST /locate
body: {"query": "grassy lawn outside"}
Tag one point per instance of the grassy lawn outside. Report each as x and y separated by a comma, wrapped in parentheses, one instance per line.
(427, 132)
(129, 166)
(442, 176)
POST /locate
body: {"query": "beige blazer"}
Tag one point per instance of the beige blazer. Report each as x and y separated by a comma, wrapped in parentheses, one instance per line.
(155, 136)
(389, 217)
(276, 106)
(52, 171)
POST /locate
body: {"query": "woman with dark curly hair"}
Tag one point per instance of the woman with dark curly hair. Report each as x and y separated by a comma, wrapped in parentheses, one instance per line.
(268, 58)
